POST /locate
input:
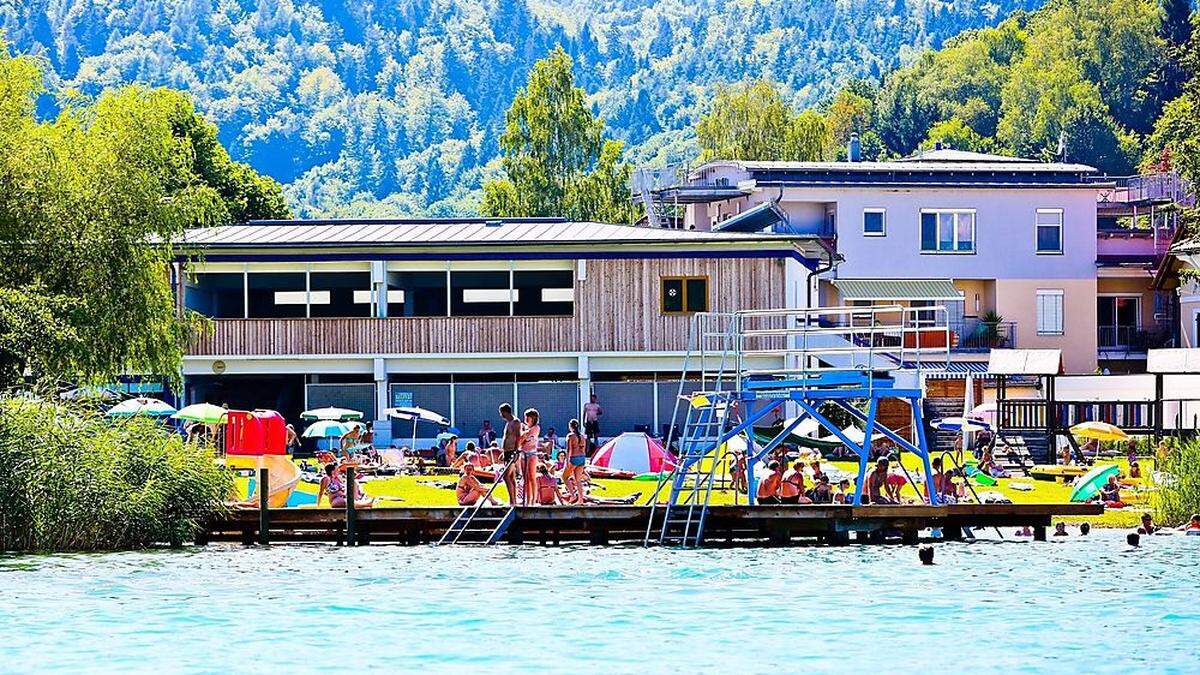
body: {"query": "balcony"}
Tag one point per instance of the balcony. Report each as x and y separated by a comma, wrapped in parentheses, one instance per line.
(973, 335)
(1132, 339)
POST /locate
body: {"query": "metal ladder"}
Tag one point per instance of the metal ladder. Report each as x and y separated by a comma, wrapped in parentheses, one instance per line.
(692, 482)
(682, 517)
(489, 529)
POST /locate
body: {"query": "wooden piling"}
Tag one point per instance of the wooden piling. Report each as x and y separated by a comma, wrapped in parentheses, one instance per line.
(264, 507)
(351, 516)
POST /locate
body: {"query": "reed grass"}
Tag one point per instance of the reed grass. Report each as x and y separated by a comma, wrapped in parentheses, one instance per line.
(70, 480)
(1179, 496)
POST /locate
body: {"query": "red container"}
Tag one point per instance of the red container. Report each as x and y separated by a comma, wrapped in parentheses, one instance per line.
(258, 432)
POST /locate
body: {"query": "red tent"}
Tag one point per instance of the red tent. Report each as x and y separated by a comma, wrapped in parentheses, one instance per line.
(635, 452)
(258, 432)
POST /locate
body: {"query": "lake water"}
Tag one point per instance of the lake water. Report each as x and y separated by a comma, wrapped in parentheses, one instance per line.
(1074, 605)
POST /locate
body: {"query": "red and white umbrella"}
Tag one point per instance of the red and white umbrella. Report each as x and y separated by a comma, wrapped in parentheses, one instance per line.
(636, 452)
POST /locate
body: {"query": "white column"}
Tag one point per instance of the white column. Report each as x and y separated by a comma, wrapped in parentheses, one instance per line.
(383, 426)
(585, 384)
(379, 287)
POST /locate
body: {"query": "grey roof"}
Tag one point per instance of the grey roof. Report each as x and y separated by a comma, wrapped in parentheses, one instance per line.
(911, 164)
(1186, 246)
(453, 232)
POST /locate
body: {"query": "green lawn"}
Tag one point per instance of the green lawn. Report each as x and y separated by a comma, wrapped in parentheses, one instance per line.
(438, 490)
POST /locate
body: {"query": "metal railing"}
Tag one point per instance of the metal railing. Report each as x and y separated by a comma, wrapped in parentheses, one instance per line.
(1132, 338)
(974, 335)
(1165, 186)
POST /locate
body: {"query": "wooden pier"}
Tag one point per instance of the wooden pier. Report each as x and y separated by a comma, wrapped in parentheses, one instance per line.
(552, 525)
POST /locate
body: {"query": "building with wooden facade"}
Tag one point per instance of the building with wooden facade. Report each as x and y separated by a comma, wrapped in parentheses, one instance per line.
(461, 315)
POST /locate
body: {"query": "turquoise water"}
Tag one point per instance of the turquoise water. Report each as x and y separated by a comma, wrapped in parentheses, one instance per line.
(1074, 605)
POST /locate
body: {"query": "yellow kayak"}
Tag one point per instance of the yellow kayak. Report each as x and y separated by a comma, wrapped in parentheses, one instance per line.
(1056, 472)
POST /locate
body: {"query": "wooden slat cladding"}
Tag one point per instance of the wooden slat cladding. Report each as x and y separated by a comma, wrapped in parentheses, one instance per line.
(616, 309)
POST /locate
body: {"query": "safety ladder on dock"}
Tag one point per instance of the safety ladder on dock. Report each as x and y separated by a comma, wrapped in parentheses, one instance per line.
(472, 526)
(680, 521)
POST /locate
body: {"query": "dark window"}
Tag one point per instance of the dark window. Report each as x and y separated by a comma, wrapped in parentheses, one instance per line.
(277, 295)
(684, 295)
(929, 236)
(873, 222)
(544, 293)
(336, 294)
(217, 295)
(417, 294)
(480, 293)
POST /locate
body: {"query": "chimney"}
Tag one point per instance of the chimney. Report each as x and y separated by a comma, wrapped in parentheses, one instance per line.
(854, 148)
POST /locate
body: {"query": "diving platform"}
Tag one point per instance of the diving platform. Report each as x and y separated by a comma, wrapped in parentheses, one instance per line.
(726, 525)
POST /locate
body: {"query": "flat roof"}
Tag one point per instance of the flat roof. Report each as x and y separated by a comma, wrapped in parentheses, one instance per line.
(897, 289)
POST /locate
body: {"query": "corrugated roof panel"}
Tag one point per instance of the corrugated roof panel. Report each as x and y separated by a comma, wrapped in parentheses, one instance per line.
(897, 289)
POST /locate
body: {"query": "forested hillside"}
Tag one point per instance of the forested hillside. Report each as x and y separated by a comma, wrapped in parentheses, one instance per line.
(365, 107)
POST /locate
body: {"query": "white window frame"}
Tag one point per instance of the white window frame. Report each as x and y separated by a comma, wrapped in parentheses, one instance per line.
(882, 217)
(1061, 231)
(1062, 304)
(956, 213)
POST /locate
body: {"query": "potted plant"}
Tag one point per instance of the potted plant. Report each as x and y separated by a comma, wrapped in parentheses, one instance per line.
(991, 328)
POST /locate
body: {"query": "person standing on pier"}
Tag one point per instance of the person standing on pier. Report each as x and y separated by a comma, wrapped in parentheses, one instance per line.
(591, 422)
(508, 443)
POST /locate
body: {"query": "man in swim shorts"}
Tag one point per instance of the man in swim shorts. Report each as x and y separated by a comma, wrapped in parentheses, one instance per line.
(508, 444)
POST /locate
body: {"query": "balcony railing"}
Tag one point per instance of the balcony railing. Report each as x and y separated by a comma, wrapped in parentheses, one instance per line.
(1132, 338)
(973, 335)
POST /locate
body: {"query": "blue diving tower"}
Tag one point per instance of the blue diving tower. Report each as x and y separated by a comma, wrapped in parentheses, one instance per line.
(741, 366)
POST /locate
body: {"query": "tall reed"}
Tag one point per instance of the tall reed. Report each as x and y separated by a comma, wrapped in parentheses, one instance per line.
(70, 480)
(1179, 496)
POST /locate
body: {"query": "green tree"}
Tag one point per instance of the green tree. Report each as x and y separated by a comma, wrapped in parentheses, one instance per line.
(1175, 30)
(954, 133)
(1175, 141)
(89, 205)
(749, 121)
(555, 159)
(850, 112)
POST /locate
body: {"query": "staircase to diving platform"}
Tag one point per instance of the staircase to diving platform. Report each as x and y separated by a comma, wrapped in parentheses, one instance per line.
(749, 363)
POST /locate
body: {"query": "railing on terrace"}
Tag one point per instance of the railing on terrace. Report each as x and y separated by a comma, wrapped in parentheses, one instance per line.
(1166, 186)
(1132, 338)
(973, 335)
(1019, 415)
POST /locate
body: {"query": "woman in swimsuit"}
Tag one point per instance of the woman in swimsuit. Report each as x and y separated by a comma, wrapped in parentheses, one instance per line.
(548, 493)
(469, 490)
(333, 486)
(791, 488)
(528, 444)
(576, 461)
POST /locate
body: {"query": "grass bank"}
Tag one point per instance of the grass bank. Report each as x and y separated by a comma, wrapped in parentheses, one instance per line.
(70, 480)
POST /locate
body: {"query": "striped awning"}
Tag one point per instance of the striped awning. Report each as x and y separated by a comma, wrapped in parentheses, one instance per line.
(897, 289)
(957, 370)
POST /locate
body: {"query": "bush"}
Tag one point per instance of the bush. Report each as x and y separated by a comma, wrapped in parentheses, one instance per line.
(1179, 498)
(72, 480)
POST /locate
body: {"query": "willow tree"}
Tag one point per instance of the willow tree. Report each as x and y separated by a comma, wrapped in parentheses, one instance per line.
(555, 157)
(89, 204)
(751, 121)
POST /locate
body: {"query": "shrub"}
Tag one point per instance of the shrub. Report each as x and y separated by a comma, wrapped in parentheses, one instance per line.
(1179, 497)
(72, 480)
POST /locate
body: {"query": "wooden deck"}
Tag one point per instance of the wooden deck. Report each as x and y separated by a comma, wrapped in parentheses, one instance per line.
(726, 525)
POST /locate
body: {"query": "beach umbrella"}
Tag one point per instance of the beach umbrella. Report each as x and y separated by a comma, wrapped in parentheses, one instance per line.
(636, 452)
(326, 429)
(205, 413)
(985, 412)
(416, 415)
(151, 407)
(1100, 431)
(961, 424)
(335, 414)
(1091, 482)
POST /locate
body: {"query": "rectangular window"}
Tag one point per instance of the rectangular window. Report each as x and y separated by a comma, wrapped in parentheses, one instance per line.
(1050, 312)
(1049, 230)
(544, 293)
(947, 231)
(483, 293)
(277, 295)
(875, 222)
(684, 295)
(333, 294)
(219, 295)
(417, 293)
